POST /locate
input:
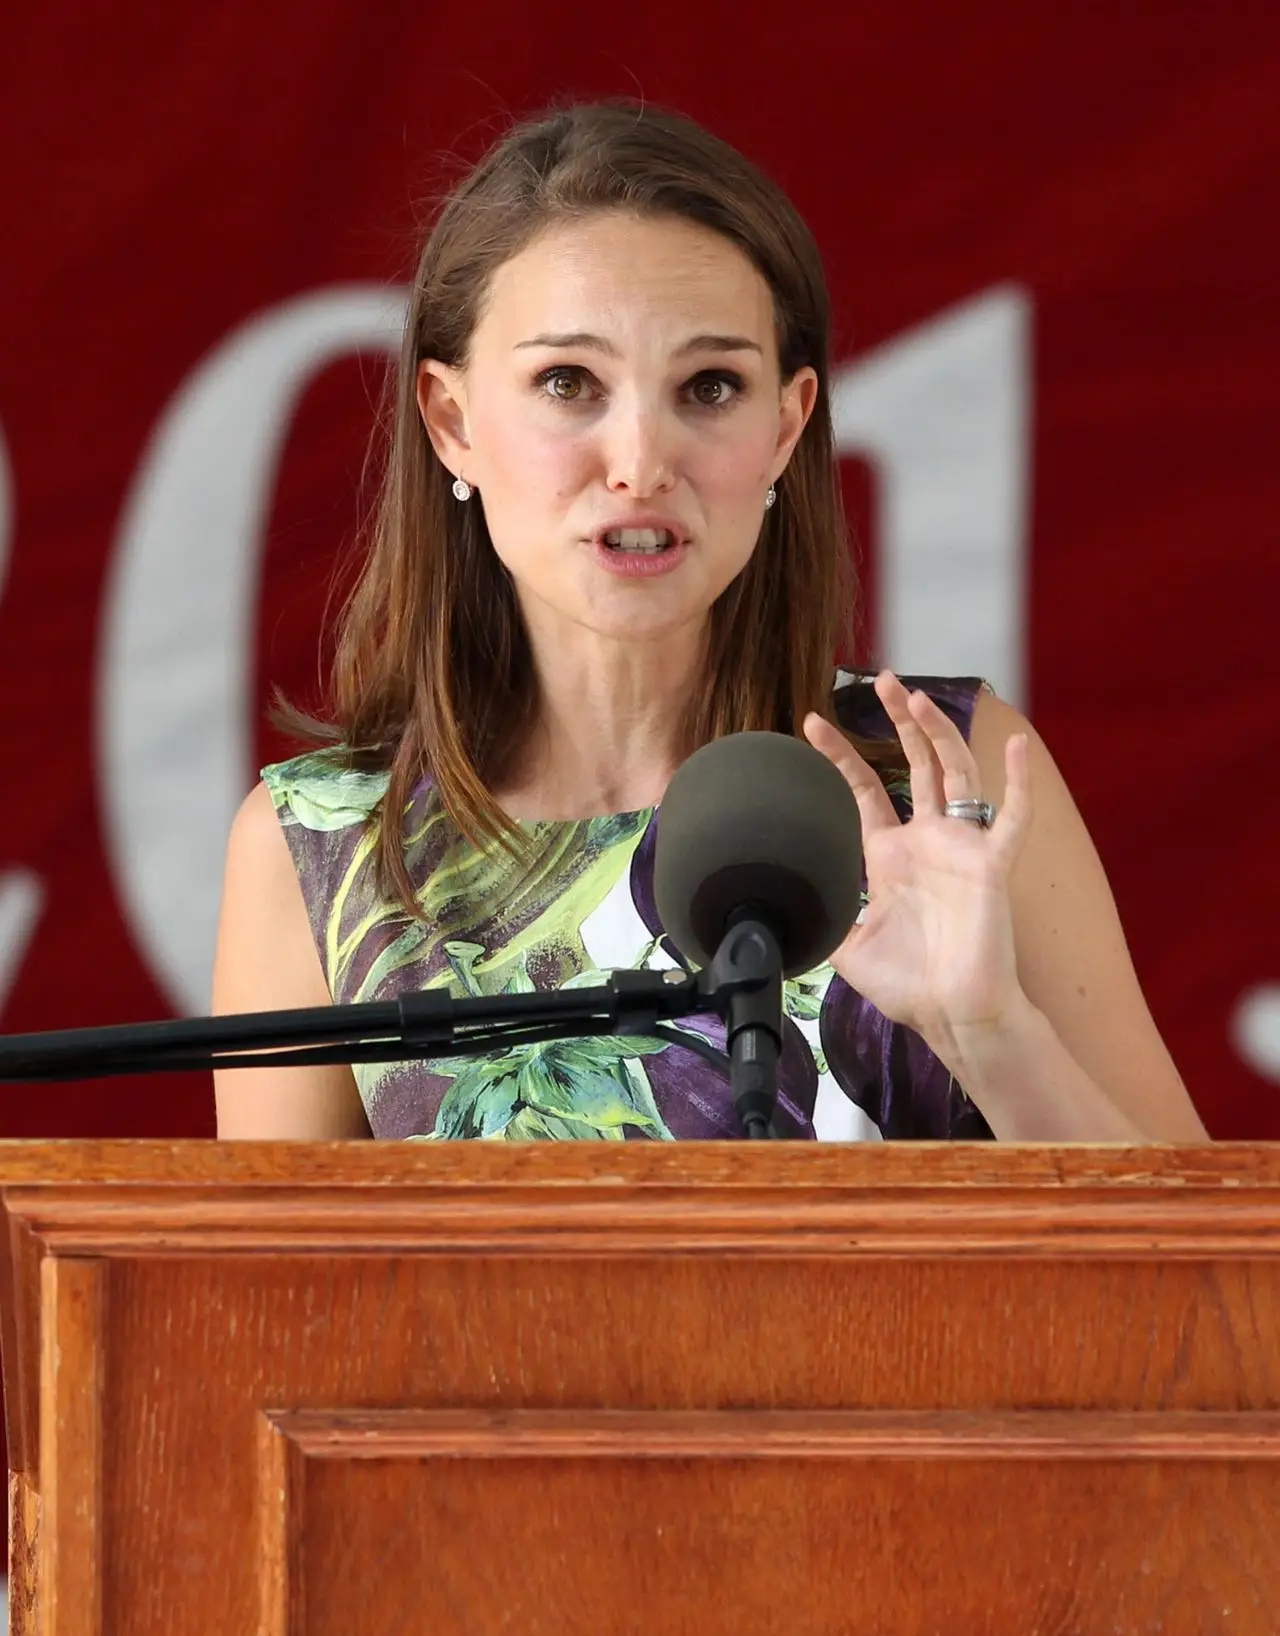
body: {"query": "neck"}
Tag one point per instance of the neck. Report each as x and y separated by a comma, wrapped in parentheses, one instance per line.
(607, 735)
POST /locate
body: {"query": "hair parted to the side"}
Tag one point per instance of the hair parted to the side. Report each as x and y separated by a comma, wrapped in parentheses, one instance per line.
(433, 672)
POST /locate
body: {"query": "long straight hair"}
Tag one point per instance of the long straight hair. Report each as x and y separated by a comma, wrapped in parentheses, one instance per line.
(433, 674)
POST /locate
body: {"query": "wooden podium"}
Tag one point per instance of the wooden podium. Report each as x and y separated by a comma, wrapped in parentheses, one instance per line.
(468, 1388)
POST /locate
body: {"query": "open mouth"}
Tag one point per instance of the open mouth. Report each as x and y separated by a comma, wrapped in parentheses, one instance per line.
(641, 542)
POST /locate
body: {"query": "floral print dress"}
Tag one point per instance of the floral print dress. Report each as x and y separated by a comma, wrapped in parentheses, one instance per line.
(578, 907)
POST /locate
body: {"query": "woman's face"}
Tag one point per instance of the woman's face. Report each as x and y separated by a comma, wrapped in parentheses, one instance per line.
(623, 371)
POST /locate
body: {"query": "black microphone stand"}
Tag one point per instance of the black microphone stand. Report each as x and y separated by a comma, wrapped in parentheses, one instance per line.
(742, 984)
(748, 969)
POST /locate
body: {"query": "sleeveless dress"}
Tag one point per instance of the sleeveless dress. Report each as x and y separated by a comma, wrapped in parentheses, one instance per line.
(582, 907)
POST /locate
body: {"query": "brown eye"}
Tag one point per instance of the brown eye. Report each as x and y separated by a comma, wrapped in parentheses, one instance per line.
(716, 391)
(563, 384)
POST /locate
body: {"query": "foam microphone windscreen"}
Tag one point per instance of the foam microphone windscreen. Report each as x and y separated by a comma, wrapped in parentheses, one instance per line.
(760, 819)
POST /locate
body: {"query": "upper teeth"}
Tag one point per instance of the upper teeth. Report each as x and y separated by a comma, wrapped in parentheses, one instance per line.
(638, 539)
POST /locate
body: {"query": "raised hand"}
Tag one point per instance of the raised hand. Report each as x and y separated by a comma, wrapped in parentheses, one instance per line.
(935, 949)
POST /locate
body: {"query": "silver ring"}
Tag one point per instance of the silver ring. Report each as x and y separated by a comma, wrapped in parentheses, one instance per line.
(974, 810)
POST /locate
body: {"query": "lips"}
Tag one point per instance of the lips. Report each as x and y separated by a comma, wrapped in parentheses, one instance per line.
(639, 562)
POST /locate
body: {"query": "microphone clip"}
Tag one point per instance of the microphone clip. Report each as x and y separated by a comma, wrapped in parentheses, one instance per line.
(744, 983)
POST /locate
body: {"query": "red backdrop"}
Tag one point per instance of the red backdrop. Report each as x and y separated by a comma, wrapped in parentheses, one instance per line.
(169, 178)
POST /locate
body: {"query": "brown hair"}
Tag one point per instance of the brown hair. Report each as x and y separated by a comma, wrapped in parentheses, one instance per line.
(433, 672)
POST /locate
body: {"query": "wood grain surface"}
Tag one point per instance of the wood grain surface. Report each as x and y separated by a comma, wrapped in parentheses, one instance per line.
(365, 1388)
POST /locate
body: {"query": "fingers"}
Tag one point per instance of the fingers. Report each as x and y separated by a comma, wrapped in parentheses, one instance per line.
(874, 805)
(941, 764)
(916, 728)
(960, 778)
(1015, 810)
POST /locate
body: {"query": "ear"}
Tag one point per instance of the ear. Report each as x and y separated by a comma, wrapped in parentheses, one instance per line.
(442, 403)
(799, 395)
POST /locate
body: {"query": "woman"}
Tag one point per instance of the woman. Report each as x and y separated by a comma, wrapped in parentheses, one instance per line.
(610, 531)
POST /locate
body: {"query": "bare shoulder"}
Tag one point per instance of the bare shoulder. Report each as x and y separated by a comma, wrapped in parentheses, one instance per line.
(256, 844)
(995, 722)
(1073, 958)
(263, 914)
(266, 959)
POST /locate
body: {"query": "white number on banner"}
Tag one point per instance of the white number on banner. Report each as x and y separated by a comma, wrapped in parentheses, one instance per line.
(174, 731)
(943, 414)
(20, 890)
(1255, 1029)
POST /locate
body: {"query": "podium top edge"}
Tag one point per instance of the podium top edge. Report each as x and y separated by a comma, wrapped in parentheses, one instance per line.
(644, 1165)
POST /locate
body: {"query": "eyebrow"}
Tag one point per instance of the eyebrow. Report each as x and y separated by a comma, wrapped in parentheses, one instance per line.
(597, 343)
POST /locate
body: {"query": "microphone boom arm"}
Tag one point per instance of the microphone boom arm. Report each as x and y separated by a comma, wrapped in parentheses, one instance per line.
(426, 1023)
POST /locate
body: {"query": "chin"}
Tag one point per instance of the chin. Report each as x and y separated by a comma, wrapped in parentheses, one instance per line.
(642, 625)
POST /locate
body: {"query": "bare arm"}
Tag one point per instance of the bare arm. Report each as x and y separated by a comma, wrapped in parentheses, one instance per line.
(1086, 1041)
(266, 960)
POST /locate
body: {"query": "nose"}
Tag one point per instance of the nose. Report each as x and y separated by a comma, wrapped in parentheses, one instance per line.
(639, 450)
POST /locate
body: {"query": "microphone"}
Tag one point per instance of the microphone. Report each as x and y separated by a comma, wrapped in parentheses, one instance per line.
(757, 875)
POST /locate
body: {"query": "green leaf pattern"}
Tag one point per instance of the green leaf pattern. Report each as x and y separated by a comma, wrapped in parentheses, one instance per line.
(322, 794)
(592, 1087)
